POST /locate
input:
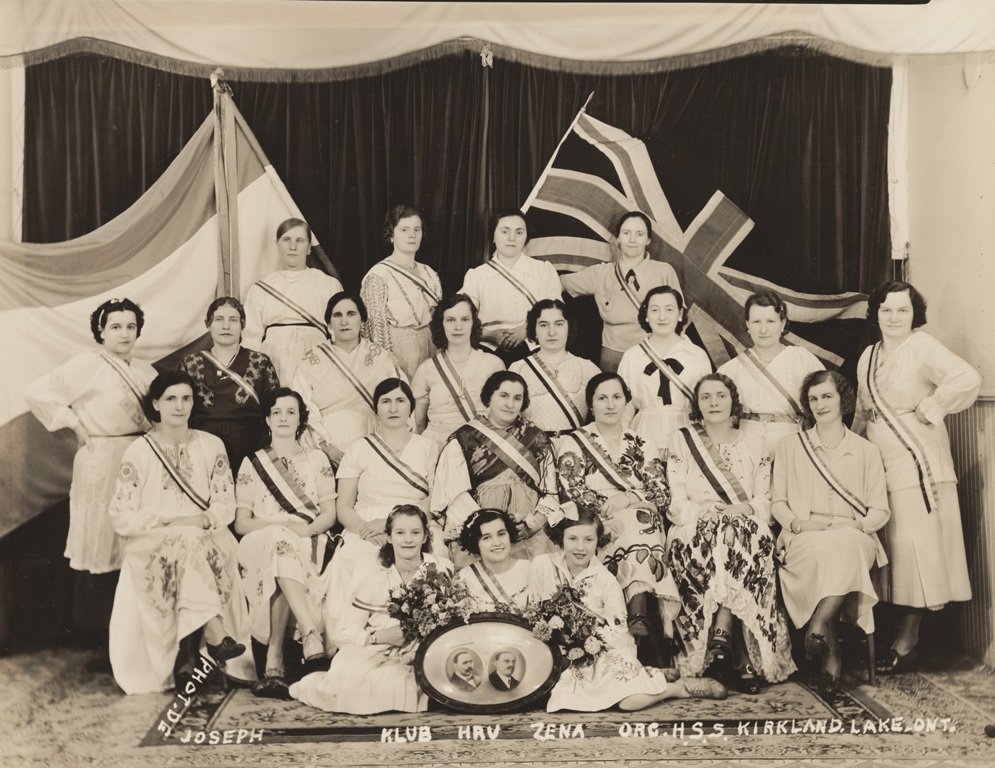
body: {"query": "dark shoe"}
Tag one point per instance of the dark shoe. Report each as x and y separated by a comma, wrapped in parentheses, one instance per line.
(828, 685)
(895, 663)
(815, 646)
(638, 624)
(272, 688)
(225, 650)
(747, 680)
(719, 647)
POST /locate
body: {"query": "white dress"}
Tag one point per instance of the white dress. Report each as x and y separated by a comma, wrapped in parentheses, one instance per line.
(174, 579)
(491, 590)
(87, 390)
(275, 551)
(617, 673)
(443, 414)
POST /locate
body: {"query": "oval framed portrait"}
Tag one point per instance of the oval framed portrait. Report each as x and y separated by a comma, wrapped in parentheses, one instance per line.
(492, 664)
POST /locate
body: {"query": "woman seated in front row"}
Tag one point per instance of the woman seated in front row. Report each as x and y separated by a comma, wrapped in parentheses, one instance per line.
(829, 497)
(372, 672)
(285, 504)
(496, 579)
(721, 546)
(173, 502)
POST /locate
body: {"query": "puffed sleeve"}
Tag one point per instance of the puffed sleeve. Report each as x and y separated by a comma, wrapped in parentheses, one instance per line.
(581, 283)
(956, 382)
(542, 583)
(303, 386)
(683, 510)
(551, 288)
(471, 286)
(252, 335)
(452, 500)
(50, 396)
(374, 294)
(268, 378)
(128, 516)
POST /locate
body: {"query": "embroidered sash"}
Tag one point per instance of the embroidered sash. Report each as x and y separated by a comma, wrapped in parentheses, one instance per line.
(602, 461)
(560, 396)
(417, 481)
(454, 383)
(509, 452)
(245, 385)
(755, 366)
(666, 370)
(486, 581)
(420, 284)
(174, 473)
(517, 284)
(125, 372)
(902, 432)
(626, 288)
(291, 304)
(725, 484)
(346, 372)
(827, 474)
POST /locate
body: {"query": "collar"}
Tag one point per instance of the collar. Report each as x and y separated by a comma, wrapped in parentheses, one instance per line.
(848, 444)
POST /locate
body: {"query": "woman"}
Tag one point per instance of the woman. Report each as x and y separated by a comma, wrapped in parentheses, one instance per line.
(389, 467)
(372, 672)
(98, 395)
(615, 678)
(620, 286)
(506, 287)
(447, 386)
(337, 378)
(618, 474)
(231, 383)
(500, 460)
(769, 374)
(908, 383)
(830, 498)
(662, 369)
(721, 547)
(496, 580)
(285, 504)
(283, 309)
(555, 378)
(401, 294)
(173, 502)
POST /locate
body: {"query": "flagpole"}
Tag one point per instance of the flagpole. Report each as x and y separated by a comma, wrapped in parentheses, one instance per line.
(225, 187)
(542, 177)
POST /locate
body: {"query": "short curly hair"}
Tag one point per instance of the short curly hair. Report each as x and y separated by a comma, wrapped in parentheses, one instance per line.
(848, 398)
(532, 318)
(766, 299)
(269, 401)
(98, 320)
(389, 385)
(469, 535)
(645, 307)
(504, 213)
(880, 294)
(343, 296)
(386, 553)
(224, 301)
(737, 403)
(437, 325)
(585, 516)
(393, 218)
(494, 382)
(600, 378)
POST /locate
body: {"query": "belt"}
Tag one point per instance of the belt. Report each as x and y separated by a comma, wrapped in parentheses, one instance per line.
(128, 434)
(771, 418)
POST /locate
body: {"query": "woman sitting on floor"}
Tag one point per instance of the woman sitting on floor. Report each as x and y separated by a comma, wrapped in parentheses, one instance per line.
(496, 579)
(372, 672)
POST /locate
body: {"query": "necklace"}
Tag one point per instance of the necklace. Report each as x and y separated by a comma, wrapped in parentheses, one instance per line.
(458, 362)
(829, 447)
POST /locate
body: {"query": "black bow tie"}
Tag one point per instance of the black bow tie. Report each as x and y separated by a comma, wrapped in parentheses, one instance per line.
(632, 280)
(664, 390)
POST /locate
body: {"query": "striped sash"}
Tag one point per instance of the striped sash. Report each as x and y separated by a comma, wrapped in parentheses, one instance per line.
(602, 461)
(420, 284)
(291, 304)
(667, 371)
(725, 484)
(908, 440)
(626, 288)
(755, 366)
(124, 371)
(454, 383)
(490, 583)
(347, 373)
(827, 474)
(552, 384)
(245, 385)
(510, 452)
(414, 479)
(174, 473)
(517, 284)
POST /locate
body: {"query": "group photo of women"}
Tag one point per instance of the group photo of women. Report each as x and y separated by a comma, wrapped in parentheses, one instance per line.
(329, 445)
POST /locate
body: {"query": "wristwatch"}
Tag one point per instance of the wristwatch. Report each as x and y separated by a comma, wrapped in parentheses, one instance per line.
(795, 526)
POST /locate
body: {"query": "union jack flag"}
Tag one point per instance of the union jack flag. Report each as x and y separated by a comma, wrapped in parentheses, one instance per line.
(599, 171)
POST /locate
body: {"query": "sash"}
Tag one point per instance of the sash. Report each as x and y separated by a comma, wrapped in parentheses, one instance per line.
(827, 474)
(486, 586)
(293, 500)
(755, 366)
(174, 473)
(420, 284)
(517, 284)
(291, 304)
(902, 432)
(706, 456)
(348, 374)
(245, 385)
(414, 479)
(666, 370)
(510, 452)
(454, 383)
(601, 460)
(552, 384)
(124, 371)
(626, 288)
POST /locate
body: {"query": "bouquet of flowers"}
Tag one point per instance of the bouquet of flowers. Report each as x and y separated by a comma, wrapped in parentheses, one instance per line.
(431, 600)
(563, 619)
